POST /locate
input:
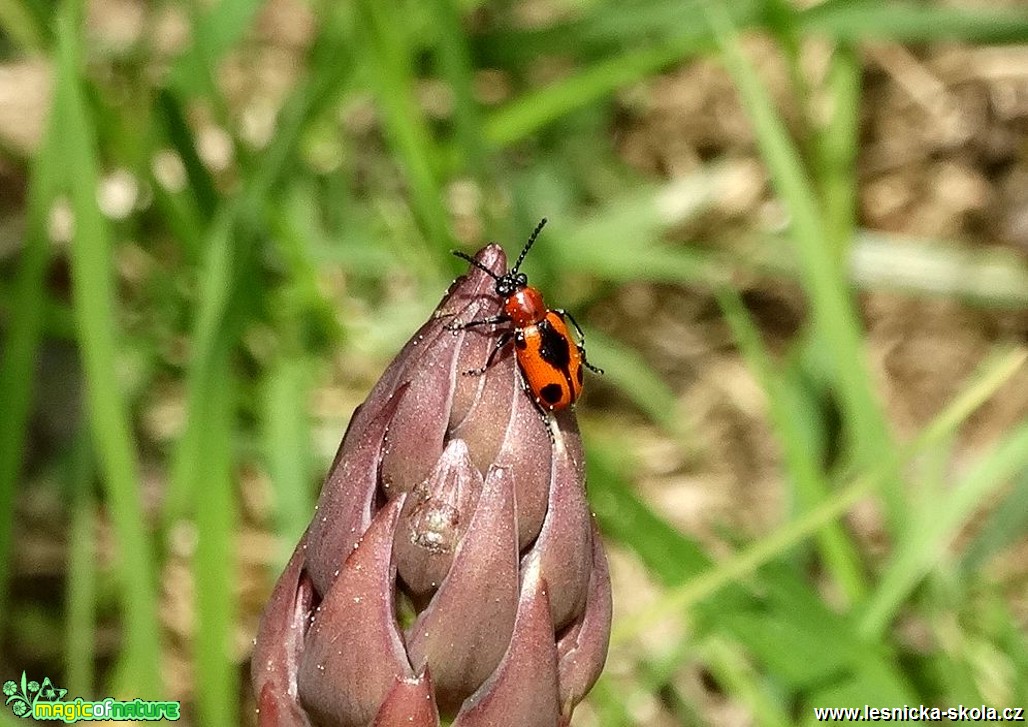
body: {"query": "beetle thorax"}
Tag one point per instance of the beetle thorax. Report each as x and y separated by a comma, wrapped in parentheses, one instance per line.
(525, 307)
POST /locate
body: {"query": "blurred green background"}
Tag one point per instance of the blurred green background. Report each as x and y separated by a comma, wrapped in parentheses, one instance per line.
(796, 233)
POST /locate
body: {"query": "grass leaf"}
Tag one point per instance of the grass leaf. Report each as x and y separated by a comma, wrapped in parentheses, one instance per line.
(936, 527)
(834, 316)
(93, 296)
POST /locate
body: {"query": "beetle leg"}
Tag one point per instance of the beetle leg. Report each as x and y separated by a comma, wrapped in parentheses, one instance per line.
(594, 369)
(502, 341)
(548, 422)
(581, 341)
(491, 320)
(544, 413)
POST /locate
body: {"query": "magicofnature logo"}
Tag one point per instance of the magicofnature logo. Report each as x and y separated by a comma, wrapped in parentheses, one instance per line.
(22, 698)
(45, 701)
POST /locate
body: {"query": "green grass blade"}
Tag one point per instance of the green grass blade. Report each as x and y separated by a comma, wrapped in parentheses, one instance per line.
(793, 624)
(457, 69)
(925, 542)
(225, 251)
(669, 556)
(834, 316)
(24, 25)
(214, 33)
(1007, 522)
(628, 371)
(658, 675)
(176, 128)
(598, 30)
(623, 516)
(997, 370)
(837, 549)
(609, 702)
(287, 440)
(599, 244)
(217, 288)
(93, 296)
(915, 22)
(733, 671)
(748, 561)
(837, 145)
(788, 536)
(987, 277)
(17, 364)
(788, 604)
(80, 620)
(532, 111)
(217, 674)
(385, 39)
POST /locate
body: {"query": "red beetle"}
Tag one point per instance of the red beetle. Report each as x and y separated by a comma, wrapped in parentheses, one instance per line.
(550, 359)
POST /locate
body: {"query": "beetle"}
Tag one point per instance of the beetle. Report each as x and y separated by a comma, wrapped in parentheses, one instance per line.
(549, 358)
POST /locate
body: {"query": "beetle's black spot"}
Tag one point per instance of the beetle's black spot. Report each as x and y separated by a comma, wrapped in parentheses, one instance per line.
(551, 393)
(554, 348)
(581, 376)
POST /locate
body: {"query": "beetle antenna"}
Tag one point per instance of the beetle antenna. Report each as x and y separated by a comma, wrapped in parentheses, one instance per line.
(528, 245)
(473, 261)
